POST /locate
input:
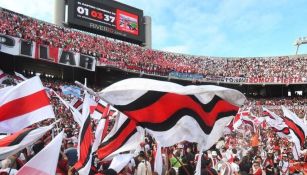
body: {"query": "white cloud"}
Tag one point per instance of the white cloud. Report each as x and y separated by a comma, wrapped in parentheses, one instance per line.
(176, 49)
(40, 9)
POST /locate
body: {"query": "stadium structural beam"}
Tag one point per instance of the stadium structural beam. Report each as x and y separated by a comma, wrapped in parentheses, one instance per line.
(300, 41)
(147, 23)
(59, 12)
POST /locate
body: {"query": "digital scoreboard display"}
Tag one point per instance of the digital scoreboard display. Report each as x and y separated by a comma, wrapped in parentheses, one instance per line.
(109, 18)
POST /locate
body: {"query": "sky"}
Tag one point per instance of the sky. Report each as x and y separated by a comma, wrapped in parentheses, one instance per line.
(227, 28)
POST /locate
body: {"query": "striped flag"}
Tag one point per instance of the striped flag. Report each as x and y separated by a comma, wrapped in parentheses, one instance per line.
(124, 136)
(99, 110)
(281, 129)
(12, 144)
(241, 117)
(298, 128)
(173, 113)
(272, 115)
(24, 105)
(77, 103)
(45, 162)
(85, 141)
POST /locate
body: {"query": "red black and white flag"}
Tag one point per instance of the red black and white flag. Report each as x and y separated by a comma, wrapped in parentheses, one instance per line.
(77, 103)
(85, 141)
(173, 113)
(269, 114)
(100, 109)
(281, 129)
(124, 136)
(12, 144)
(298, 128)
(24, 105)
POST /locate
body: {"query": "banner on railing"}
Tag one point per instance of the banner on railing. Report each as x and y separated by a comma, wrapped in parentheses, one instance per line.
(279, 80)
(186, 76)
(214, 78)
(234, 79)
(16, 46)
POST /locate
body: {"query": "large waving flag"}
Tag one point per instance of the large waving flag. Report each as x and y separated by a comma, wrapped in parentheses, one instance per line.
(14, 143)
(298, 128)
(45, 162)
(23, 105)
(173, 113)
(296, 124)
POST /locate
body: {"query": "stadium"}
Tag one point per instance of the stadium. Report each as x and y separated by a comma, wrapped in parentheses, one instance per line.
(98, 54)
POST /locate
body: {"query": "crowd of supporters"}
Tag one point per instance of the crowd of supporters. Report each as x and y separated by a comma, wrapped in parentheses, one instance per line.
(296, 104)
(236, 153)
(135, 58)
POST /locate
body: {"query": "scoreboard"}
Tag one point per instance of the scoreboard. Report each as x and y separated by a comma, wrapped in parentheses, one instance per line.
(107, 17)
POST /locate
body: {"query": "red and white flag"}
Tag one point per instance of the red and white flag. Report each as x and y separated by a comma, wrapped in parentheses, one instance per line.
(12, 144)
(45, 162)
(172, 113)
(24, 105)
(239, 118)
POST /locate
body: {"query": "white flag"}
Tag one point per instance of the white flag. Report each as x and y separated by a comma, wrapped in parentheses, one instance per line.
(45, 162)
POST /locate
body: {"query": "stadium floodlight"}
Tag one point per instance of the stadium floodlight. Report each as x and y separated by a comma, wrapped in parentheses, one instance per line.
(300, 41)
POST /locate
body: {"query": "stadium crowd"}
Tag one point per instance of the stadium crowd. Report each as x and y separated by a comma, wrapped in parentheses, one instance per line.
(245, 151)
(134, 58)
(254, 151)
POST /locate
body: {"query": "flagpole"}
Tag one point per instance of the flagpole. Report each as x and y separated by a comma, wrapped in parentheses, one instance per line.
(14, 162)
(184, 168)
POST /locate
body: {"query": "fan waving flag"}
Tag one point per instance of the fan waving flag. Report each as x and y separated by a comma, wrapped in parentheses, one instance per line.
(45, 162)
(23, 105)
(173, 113)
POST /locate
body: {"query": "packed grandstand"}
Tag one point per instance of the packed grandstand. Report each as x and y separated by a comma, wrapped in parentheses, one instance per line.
(244, 149)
